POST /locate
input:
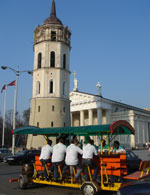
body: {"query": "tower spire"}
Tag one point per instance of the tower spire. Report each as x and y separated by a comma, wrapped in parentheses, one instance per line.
(53, 9)
(52, 18)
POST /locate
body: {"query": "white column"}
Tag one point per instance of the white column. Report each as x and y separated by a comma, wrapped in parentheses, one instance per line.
(82, 124)
(90, 117)
(99, 116)
(108, 117)
(71, 117)
(138, 132)
(143, 133)
(132, 137)
(81, 118)
(146, 133)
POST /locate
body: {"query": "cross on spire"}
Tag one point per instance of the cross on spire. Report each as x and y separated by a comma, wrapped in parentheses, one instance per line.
(74, 75)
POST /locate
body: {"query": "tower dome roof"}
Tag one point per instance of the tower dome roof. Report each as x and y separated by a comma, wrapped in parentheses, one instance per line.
(52, 19)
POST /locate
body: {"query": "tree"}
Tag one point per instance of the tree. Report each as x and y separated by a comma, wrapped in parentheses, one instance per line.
(24, 121)
(26, 116)
(8, 128)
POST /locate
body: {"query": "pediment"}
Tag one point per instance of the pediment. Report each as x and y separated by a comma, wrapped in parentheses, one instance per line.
(80, 97)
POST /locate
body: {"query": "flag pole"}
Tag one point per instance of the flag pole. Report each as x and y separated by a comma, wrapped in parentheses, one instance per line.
(4, 116)
(17, 73)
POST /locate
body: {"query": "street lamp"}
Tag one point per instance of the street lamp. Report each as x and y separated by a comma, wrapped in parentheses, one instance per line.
(17, 73)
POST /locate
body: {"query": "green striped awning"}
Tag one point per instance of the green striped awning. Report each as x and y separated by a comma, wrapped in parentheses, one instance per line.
(116, 128)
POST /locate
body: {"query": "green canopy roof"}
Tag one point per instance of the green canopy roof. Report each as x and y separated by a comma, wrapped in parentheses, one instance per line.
(116, 128)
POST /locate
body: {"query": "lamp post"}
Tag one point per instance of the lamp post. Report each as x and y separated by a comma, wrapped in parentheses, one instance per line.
(17, 73)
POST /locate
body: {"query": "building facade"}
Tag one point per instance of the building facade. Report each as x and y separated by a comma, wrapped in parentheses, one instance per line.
(90, 109)
(50, 104)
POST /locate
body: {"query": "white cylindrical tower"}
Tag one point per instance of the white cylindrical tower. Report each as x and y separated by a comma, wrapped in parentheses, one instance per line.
(50, 104)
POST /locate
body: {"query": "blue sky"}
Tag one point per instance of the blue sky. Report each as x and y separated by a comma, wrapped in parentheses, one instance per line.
(110, 44)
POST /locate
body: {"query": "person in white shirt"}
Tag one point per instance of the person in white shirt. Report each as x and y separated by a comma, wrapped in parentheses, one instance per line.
(87, 159)
(44, 156)
(72, 158)
(59, 151)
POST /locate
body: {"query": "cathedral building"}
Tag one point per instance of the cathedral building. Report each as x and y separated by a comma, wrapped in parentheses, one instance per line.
(91, 109)
(50, 104)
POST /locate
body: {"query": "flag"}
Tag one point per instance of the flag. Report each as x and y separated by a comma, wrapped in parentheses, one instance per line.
(3, 88)
(13, 83)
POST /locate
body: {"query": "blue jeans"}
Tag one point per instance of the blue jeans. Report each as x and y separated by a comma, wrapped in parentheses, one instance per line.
(92, 164)
(44, 162)
(55, 166)
(78, 166)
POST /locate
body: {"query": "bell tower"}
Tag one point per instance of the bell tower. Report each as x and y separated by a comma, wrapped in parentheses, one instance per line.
(50, 104)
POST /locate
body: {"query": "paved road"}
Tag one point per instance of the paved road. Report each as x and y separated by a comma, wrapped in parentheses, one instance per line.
(6, 188)
(143, 154)
(7, 172)
(11, 171)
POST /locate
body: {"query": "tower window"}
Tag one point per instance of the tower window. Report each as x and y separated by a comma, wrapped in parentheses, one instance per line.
(39, 60)
(38, 108)
(52, 124)
(52, 61)
(53, 108)
(51, 87)
(53, 36)
(38, 88)
(64, 124)
(64, 109)
(37, 124)
(64, 61)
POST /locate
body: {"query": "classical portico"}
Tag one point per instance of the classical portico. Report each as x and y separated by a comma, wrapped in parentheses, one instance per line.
(90, 109)
(87, 109)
